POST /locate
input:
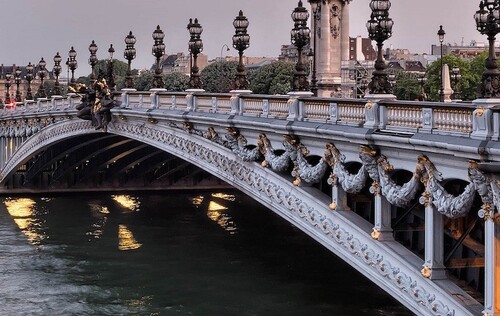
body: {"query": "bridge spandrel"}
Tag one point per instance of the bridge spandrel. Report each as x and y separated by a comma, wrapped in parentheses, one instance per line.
(309, 171)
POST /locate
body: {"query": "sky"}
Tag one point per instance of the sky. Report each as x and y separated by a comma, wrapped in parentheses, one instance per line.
(31, 29)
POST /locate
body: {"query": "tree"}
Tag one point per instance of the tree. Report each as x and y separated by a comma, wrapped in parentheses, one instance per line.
(471, 71)
(275, 78)
(176, 81)
(144, 81)
(219, 76)
(406, 87)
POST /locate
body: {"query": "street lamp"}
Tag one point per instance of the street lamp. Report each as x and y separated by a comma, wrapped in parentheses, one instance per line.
(241, 41)
(7, 87)
(195, 47)
(72, 64)
(455, 77)
(93, 61)
(379, 29)
(17, 80)
(158, 51)
(129, 55)
(487, 23)
(57, 71)
(110, 75)
(42, 72)
(316, 16)
(300, 37)
(422, 79)
(441, 34)
(29, 78)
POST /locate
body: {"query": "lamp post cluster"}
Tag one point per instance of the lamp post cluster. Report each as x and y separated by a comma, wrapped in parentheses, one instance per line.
(316, 17)
(158, 51)
(57, 71)
(72, 64)
(17, 81)
(195, 47)
(488, 23)
(379, 29)
(300, 37)
(29, 78)
(241, 41)
(110, 77)
(93, 61)
(441, 33)
(129, 55)
(7, 87)
(42, 73)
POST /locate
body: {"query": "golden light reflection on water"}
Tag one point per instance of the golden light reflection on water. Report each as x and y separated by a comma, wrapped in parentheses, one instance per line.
(129, 202)
(99, 213)
(22, 211)
(224, 196)
(197, 201)
(126, 240)
(216, 213)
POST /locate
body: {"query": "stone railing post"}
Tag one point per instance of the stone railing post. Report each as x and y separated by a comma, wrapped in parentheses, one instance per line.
(427, 120)
(293, 103)
(482, 121)
(191, 99)
(71, 100)
(125, 97)
(155, 98)
(236, 101)
(333, 109)
(375, 113)
(372, 115)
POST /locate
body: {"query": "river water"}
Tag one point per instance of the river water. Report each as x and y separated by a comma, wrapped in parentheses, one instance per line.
(203, 253)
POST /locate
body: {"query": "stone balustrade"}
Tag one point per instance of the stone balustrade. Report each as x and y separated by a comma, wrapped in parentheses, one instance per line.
(478, 120)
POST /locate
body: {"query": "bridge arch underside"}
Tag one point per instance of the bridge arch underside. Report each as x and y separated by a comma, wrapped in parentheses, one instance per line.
(105, 161)
(73, 153)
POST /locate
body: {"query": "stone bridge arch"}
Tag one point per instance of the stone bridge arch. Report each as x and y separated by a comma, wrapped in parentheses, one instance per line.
(343, 233)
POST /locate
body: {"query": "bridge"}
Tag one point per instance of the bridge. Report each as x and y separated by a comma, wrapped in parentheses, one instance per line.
(405, 192)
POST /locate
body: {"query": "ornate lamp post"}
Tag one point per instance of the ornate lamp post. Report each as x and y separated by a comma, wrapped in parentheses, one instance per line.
(158, 51)
(17, 80)
(110, 75)
(316, 17)
(441, 34)
(487, 22)
(7, 87)
(72, 64)
(422, 80)
(42, 72)
(455, 77)
(241, 41)
(29, 78)
(195, 47)
(129, 55)
(57, 71)
(300, 37)
(93, 60)
(379, 29)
